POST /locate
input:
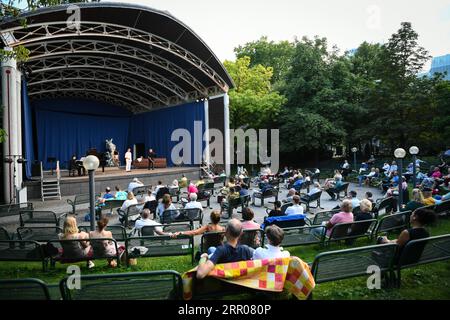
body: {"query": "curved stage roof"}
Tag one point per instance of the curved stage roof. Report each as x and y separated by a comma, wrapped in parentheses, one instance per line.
(123, 54)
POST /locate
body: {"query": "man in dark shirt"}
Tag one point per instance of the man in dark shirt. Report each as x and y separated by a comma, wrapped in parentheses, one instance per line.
(229, 252)
(151, 159)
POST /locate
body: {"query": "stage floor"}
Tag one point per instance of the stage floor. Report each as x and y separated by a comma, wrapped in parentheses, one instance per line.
(110, 178)
(114, 172)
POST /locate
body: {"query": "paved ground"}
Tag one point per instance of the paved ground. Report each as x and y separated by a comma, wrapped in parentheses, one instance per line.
(61, 206)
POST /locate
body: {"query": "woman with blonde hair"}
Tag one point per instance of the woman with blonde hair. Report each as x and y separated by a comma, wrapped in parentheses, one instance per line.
(416, 201)
(75, 249)
(131, 200)
(365, 213)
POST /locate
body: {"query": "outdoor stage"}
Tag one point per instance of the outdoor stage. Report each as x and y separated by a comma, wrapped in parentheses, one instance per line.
(110, 178)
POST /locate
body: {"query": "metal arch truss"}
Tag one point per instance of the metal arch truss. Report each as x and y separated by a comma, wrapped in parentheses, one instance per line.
(48, 49)
(137, 101)
(90, 95)
(42, 32)
(96, 75)
(55, 63)
(96, 68)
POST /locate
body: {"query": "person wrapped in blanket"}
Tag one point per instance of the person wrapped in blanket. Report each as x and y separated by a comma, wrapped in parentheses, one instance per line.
(232, 251)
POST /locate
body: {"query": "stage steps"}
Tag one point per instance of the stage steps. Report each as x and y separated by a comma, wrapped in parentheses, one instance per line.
(50, 188)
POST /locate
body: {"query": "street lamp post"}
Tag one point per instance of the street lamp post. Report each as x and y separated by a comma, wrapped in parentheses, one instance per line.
(400, 154)
(354, 150)
(91, 163)
(414, 151)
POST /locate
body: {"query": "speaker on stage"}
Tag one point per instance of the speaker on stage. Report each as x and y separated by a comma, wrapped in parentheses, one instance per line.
(139, 150)
(35, 169)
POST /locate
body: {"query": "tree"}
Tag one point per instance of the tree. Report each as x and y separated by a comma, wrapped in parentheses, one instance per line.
(253, 103)
(441, 120)
(276, 55)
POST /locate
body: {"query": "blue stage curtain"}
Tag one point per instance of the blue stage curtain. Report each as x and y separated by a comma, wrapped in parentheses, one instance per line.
(27, 130)
(68, 126)
(155, 128)
(62, 134)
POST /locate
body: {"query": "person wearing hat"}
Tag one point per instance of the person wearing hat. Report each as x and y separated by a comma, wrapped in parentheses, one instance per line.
(428, 199)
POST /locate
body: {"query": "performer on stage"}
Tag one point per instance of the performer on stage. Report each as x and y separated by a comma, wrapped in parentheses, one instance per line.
(151, 159)
(128, 158)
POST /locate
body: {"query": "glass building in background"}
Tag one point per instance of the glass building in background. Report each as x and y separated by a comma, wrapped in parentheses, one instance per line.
(441, 64)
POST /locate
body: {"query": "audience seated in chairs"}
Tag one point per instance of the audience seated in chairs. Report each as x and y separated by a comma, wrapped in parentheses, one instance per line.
(276, 211)
(428, 199)
(131, 200)
(134, 184)
(146, 221)
(248, 215)
(315, 189)
(104, 247)
(344, 216)
(231, 251)
(275, 236)
(120, 195)
(214, 226)
(233, 194)
(416, 201)
(365, 212)
(369, 196)
(290, 195)
(165, 204)
(75, 249)
(265, 187)
(193, 203)
(296, 208)
(419, 219)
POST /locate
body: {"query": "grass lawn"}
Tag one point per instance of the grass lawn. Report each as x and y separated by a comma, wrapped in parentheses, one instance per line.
(429, 281)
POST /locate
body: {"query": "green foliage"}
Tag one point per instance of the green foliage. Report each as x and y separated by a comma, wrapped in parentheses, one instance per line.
(269, 54)
(252, 101)
(334, 99)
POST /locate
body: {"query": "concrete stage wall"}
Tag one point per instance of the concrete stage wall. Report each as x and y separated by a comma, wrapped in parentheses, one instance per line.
(71, 186)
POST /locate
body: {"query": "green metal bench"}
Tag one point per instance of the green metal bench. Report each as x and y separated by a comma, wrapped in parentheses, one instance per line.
(267, 194)
(148, 231)
(22, 250)
(80, 199)
(24, 289)
(392, 222)
(350, 263)
(38, 234)
(211, 239)
(422, 251)
(182, 215)
(4, 234)
(128, 216)
(300, 236)
(349, 231)
(234, 204)
(95, 243)
(159, 246)
(443, 209)
(306, 199)
(323, 216)
(31, 217)
(141, 191)
(220, 181)
(14, 209)
(389, 205)
(109, 205)
(152, 285)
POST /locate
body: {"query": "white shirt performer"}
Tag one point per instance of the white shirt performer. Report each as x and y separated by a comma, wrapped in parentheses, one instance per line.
(128, 160)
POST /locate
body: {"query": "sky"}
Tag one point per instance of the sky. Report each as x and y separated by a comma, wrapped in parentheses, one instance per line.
(224, 25)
